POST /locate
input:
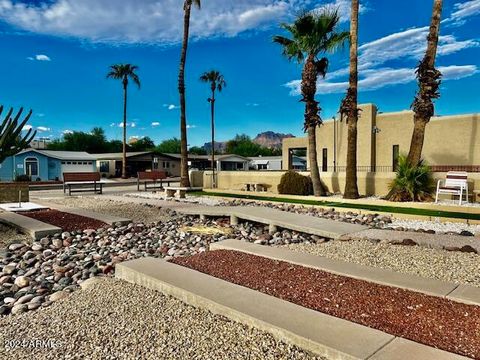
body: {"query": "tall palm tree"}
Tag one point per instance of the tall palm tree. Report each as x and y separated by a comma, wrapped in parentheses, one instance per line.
(187, 7)
(312, 34)
(217, 82)
(350, 110)
(124, 72)
(428, 87)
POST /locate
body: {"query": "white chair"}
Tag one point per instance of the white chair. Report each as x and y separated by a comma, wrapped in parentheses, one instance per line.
(454, 184)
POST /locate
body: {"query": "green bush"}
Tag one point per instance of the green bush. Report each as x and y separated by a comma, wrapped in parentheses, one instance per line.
(22, 178)
(412, 183)
(293, 183)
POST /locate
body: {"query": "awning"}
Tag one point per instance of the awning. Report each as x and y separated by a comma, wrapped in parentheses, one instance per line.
(261, 162)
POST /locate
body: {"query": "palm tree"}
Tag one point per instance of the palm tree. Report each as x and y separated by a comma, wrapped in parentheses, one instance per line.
(350, 110)
(312, 33)
(124, 72)
(428, 87)
(187, 7)
(217, 82)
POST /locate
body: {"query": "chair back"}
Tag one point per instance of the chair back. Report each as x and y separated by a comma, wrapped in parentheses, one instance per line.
(456, 179)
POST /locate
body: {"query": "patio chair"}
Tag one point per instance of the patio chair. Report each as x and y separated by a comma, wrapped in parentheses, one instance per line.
(455, 183)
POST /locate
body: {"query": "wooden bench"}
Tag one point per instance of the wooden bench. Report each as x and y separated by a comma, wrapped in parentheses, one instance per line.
(152, 177)
(85, 181)
(455, 183)
(170, 191)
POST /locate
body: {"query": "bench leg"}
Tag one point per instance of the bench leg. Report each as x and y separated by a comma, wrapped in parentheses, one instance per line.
(170, 193)
(101, 189)
(181, 194)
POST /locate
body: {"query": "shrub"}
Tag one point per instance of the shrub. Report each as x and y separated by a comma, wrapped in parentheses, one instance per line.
(412, 183)
(22, 178)
(293, 183)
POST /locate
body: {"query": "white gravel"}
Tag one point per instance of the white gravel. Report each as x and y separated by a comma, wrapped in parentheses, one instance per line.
(202, 200)
(9, 235)
(438, 226)
(429, 263)
(117, 320)
(136, 212)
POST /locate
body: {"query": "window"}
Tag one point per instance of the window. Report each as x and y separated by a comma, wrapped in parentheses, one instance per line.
(395, 155)
(324, 160)
(31, 166)
(262, 167)
(63, 162)
(85, 163)
(69, 163)
(104, 166)
(166, 164)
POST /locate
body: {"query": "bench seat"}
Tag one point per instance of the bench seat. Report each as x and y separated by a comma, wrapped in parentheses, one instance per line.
(82, 182)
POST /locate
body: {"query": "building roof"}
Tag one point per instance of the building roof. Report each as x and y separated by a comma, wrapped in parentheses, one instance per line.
(256, 158)
(119, 156)
(62, 155)
(208, 157)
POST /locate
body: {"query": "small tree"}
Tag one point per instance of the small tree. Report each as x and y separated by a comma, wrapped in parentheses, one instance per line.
(11, 140)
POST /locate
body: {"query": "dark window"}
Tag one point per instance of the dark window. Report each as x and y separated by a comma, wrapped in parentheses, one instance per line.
(31, 166)
(324, 160)
(395, 154)
(104, 166)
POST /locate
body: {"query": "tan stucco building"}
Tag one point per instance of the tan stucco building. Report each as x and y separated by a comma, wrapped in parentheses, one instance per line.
(451, 142)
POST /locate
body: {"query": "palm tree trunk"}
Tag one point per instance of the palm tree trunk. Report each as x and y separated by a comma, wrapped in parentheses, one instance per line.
(428, 83)
(124, 154)
(212, 107)
(184, 179)
(349, 107)
(312, 120)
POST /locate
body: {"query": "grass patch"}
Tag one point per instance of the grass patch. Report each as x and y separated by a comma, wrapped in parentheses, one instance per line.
(375, 208)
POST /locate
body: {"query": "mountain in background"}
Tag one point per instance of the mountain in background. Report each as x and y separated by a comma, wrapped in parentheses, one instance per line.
(220, 146)
(270, 139)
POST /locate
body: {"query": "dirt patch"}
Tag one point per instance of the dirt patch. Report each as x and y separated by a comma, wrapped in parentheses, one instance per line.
(65, 221)
(430, 320)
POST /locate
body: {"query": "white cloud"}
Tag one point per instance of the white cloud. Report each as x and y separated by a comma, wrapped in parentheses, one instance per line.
(375, 79)
(465, 9)
(43, 128)
(132, 124)
(65, 132)
(171, 106)
(146, 21)
(155, 123)
(344, 8)
(113, 124)
(40, 115)
(40, 57)
(27, 127)
(252, 104)
(191, 126)
(407, 45)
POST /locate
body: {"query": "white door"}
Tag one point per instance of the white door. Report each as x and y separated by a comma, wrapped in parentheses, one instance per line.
(76, 166)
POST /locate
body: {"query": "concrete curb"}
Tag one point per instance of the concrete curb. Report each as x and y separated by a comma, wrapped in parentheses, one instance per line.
(35, 228)
(460, 293)
(314, 331)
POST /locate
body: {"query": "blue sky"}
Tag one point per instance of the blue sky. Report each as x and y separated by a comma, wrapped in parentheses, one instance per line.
(55, 55)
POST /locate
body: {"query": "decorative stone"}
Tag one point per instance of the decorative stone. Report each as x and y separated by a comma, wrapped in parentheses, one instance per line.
(58, 295)
(22, 281)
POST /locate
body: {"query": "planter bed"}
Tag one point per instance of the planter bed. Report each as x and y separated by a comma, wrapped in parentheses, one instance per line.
(65, 221)
(434, 321)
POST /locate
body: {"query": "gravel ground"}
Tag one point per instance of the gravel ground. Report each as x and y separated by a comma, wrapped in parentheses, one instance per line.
(439, 227)
(202, 200)
(136, 212)
(9, 235)
(117, 320)
(429, 263)
(430, 320)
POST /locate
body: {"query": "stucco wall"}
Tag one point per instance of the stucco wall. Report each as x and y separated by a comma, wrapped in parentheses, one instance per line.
(10, 192)
(449, 140)
(369, 183)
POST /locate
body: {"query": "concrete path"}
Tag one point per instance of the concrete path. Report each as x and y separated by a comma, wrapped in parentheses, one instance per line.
(314, 331)
(35, 228)
(274, 218)
(453, 291)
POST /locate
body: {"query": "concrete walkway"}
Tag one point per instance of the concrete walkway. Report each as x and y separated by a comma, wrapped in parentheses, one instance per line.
(274, 218)
(314, 331)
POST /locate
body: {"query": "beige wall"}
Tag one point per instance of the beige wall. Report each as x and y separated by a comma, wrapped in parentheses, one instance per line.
(369, 184)
(10, 192)
(449, 140)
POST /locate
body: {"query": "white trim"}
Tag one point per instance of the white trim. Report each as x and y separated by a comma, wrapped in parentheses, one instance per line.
(25, 166)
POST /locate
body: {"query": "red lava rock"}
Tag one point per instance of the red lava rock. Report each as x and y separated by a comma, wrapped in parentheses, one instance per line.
(426, 319)
(65, 221)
